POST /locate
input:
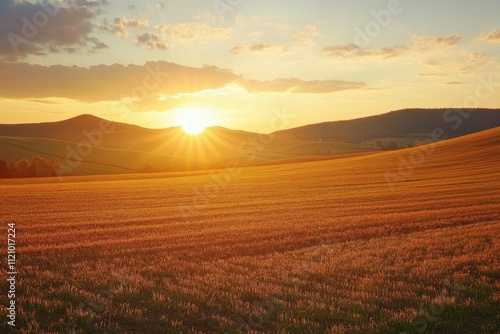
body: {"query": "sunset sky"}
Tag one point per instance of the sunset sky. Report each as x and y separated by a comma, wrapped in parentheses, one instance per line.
(151, 62)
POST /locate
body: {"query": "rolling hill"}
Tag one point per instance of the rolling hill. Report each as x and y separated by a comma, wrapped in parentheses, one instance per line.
(128, 148)
(316, 247)
(405, 126)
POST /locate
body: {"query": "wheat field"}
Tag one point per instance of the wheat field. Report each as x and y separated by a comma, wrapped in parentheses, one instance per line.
(313, 247)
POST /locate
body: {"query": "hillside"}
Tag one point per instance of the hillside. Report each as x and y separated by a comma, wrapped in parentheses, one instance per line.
(128, 148)
(101, 160)
(179, 153)
(61, 129)
(406, 125)
(316, 247)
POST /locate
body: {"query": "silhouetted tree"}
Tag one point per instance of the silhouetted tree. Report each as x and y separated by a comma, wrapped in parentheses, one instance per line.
(4, 169)
(39, 167)
(20, 168)
(392, 146)
(42, 167)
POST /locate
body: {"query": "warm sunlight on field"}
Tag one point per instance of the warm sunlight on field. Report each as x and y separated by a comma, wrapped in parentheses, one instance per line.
(316, 247)
(260, 167)
(194, 120)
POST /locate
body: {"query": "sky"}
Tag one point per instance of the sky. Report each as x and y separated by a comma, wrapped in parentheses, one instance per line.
(236, 63)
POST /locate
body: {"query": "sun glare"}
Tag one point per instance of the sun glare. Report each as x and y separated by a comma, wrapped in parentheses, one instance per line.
(194, 120)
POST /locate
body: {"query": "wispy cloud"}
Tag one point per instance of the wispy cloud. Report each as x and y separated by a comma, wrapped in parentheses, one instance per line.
(190, 32)
(306, 35)
(152, 41)
(119, 24)
(354, 51)
(420, 44)
(302, 86)
(490, 37)
(259, 48)
(423, 42)
(161, 6)
(473, 63)
(434, 63)
(430, 75)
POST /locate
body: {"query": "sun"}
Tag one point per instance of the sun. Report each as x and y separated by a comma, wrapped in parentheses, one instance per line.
(194, 120)
(193, 126)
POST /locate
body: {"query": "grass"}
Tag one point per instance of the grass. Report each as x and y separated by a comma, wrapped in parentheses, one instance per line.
(315, 247)
(409, 140)
(176, 153)
(101, 160)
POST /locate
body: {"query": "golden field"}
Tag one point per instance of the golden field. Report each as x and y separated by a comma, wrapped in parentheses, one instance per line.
(313, 247)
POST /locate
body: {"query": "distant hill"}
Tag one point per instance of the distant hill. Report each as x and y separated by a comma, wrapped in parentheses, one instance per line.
(56, 130)
(403, 125)
(128, 148)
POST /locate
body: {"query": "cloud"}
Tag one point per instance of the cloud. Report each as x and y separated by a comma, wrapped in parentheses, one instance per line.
(152, 41)
(255, 34)
(190, 32)
(43, 101)
(89, 3)
(490, 37)
(119, 24)
(259, 48)
(433, 63)
(420, 44)
(306, 35)
(474, 63)
(433, 74)
(107, 82)
(40, 28)
(425, 42)
(354, 51)
(454, 83)
(161, 6)
(477, 57)
(300, 86)
(157, 84)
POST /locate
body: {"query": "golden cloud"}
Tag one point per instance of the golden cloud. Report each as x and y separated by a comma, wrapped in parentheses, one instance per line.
(156, 83)
(490, 37)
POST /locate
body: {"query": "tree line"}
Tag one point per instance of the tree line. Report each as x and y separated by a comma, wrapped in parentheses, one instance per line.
(38, 167)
